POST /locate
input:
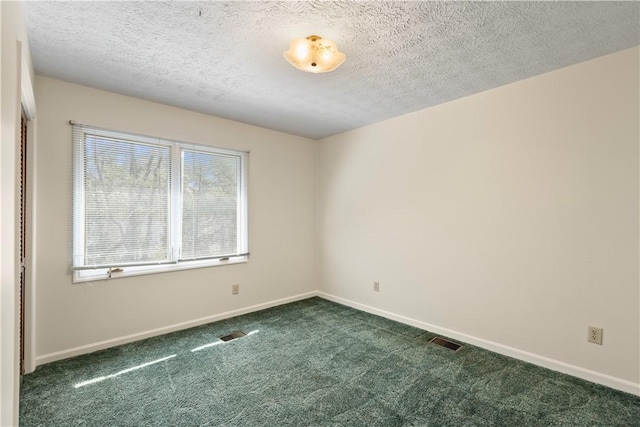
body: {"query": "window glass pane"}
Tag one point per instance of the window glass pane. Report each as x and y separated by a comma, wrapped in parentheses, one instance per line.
(126, 203)
(209, 204)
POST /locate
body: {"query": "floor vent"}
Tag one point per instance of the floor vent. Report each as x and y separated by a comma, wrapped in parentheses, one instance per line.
(233, 336)
(446, 343)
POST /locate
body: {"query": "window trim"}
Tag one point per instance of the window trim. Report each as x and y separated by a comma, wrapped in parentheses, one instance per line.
(82, 273)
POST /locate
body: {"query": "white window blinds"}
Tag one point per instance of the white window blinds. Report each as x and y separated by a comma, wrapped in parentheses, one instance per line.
(126, 202)
(147, 201)
(210, 205)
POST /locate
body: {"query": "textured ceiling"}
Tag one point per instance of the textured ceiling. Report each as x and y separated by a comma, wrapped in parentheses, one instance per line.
(225, 58)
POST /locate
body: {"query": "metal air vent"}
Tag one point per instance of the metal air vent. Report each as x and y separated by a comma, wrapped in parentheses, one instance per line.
(442, 342)
(233, 336)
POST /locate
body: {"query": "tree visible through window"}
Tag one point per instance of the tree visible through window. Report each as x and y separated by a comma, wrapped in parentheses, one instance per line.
(141, 201)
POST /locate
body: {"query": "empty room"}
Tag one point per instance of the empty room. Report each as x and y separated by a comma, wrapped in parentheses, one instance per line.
(320, 213)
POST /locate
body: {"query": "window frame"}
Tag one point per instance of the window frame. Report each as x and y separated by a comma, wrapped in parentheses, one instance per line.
(83, 273)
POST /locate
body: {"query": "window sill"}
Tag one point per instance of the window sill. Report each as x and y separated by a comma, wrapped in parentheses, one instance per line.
(102, 274)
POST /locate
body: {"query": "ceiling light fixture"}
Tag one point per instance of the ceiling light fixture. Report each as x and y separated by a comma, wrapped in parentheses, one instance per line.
(314, 55)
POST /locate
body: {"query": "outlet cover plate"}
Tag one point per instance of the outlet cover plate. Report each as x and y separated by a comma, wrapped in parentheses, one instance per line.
(595, 335)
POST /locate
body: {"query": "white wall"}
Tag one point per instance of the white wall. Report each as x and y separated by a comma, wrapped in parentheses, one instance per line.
(281, 225)
(509, 218)
(14, 53)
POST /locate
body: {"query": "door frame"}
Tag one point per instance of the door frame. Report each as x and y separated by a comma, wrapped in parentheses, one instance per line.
(29, 106)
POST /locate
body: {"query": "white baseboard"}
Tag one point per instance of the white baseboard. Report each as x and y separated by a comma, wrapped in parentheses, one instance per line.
(545, 362)
(89, 348)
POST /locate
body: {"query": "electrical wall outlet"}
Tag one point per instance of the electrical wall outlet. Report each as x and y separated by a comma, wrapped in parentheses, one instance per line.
(595, 335)
(376, 286)
(235, 289)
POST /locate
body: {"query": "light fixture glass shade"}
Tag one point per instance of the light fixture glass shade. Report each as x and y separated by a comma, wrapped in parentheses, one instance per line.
(314, 54)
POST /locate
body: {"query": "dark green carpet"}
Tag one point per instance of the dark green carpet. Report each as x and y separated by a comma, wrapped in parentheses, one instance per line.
(311, 363)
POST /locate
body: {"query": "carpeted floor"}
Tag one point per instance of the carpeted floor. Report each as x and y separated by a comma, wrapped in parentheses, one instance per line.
(311, 363)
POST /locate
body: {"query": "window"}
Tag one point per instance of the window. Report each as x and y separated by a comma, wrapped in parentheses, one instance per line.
(145, 205)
